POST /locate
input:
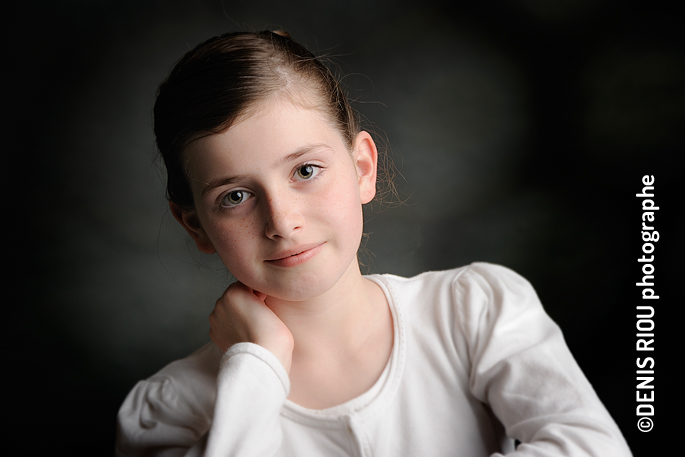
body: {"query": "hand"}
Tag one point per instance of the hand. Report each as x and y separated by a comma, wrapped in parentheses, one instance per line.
(240, 315)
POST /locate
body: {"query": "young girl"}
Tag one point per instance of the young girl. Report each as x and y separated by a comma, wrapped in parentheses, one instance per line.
(268, 167)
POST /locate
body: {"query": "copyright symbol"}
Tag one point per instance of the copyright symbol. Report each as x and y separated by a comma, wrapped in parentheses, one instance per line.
(645, 424)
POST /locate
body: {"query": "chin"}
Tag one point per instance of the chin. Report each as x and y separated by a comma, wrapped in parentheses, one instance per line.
(303, 286)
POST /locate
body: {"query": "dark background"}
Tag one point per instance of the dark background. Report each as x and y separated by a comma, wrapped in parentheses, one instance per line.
(521, 130)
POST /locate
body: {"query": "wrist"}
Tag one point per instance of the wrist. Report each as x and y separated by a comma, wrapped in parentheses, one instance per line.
(280, 345)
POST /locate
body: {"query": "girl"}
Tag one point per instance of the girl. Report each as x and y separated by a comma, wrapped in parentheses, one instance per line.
(268, 167)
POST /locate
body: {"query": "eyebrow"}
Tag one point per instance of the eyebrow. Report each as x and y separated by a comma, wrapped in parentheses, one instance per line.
(289, 158)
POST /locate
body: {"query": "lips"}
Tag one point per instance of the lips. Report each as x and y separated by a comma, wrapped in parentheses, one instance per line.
(295, 256)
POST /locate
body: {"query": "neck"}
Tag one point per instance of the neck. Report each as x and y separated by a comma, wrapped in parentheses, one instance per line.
(335, 322)
(343, 340)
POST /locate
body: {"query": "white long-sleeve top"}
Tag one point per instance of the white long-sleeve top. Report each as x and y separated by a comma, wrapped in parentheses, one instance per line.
(475, 363)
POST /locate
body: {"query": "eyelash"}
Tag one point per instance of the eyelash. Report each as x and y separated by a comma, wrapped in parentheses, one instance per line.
(223, 205)
(316, 171)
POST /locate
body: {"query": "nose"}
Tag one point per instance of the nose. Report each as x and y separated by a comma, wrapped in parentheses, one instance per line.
(283, 216)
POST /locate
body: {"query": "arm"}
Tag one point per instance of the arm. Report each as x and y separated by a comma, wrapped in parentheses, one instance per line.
(174, 413)
(523, 369)
(252, 387)
(171, 414)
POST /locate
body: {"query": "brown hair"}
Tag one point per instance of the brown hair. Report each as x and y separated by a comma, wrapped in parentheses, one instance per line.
(222, 79)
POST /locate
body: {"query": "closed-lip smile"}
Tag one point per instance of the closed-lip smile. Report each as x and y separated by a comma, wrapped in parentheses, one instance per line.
(295, 256)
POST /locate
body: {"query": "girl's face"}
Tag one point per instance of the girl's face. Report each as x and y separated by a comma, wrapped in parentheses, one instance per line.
(278, 196)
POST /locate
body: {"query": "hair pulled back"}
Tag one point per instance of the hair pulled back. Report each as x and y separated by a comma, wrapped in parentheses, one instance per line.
(223, 79)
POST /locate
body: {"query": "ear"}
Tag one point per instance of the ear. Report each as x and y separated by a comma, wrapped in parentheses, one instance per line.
(366, 160)
(190, 222)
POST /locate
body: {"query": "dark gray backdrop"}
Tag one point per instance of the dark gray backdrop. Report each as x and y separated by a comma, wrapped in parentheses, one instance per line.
(521, 130)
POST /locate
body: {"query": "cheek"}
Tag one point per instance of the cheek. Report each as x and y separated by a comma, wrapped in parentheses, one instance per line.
(233, 241)
(343, 209)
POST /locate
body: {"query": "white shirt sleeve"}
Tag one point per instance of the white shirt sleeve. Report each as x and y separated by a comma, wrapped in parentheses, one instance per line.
(252, 387)
(163, 417)
(522, 367)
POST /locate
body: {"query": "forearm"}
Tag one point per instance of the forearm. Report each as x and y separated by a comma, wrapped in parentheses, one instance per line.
(252, 387)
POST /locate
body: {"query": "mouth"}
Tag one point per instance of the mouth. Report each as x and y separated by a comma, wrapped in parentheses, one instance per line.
(295, 256)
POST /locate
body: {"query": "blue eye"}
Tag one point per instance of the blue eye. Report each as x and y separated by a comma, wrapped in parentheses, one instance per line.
(234, 198)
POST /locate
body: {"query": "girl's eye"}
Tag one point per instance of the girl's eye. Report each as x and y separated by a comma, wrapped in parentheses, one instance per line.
(234, 198)
(307, 171)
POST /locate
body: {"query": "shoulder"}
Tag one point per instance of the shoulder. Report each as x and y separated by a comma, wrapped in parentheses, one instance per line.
(199, 367)
(461, 286)
(484, 286)
(191, 379)
(475, 301)
(173, 406)
(483, 269)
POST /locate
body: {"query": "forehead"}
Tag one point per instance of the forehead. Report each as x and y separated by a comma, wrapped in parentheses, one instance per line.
(273, 129)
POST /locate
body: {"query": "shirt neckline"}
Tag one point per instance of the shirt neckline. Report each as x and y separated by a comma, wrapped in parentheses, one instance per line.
(373, 400)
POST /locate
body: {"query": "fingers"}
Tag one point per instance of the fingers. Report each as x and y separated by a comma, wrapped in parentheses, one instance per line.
(240, 315)
(229, 320)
